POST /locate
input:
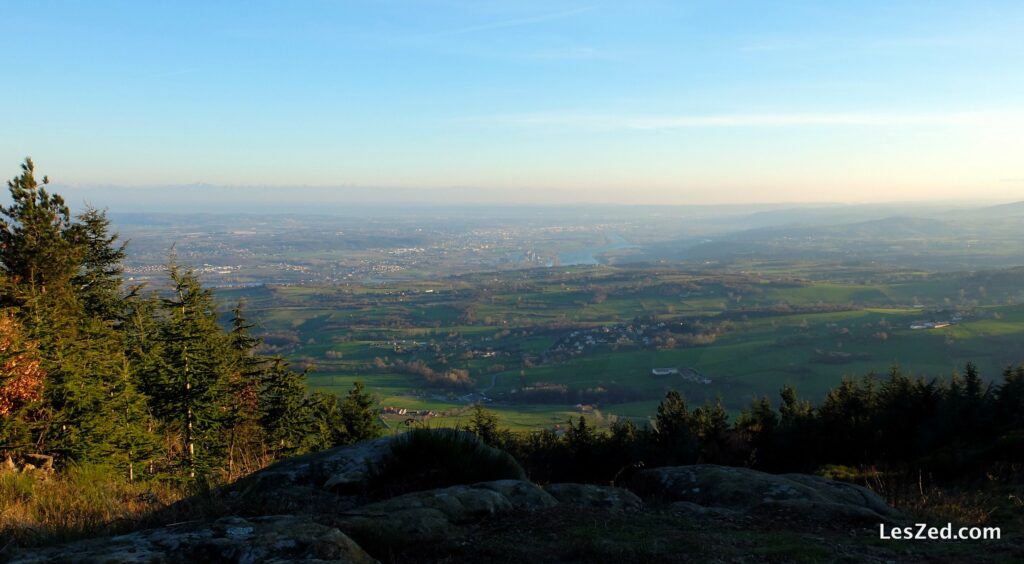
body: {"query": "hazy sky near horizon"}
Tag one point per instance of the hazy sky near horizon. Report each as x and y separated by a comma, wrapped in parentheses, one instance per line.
(523, 101)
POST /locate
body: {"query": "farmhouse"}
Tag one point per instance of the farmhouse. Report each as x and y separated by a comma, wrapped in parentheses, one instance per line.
(664, 371)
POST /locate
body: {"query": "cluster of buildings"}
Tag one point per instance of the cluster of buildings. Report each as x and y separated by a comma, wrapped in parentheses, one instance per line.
(390, 410)
(955, 318)
(688, 374)
(627, 334)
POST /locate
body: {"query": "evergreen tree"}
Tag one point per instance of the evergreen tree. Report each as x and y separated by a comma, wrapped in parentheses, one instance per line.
(711, 424)
(98, 281)
(675, 433)
(37, 249)
(758, 426)
(242, 405)
(358, 415)
(1010, 398)
(189, 384)
(286, 414)
(484, 424)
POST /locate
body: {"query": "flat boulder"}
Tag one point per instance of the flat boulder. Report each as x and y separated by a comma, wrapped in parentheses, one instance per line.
(434, 515)
(336, 469)
(603, 497)
(744, 490)
(230, 539)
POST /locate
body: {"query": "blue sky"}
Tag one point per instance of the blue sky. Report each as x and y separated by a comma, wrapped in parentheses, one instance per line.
(645, 102)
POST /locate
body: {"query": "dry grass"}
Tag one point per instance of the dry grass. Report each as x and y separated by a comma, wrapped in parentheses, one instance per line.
(82, 501)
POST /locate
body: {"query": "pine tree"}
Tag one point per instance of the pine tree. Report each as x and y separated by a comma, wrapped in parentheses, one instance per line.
(98, 282)
(37, 249)
(484, 424)
(191, 374)
(286, 415)
(358, 415)
(712, 427)
(1010, 398)
(675, 429)
(243, 394)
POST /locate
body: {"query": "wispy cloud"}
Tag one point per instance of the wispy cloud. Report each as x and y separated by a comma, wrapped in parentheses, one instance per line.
(604, 121)
(507, 23)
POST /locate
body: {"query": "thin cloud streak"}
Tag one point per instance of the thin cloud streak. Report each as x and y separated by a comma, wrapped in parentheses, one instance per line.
(669, 122)
(515, 22)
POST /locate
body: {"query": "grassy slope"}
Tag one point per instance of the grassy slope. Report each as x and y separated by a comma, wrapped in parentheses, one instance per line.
(757, 357)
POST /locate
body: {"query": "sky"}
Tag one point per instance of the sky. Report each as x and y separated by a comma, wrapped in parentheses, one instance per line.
(522, 101)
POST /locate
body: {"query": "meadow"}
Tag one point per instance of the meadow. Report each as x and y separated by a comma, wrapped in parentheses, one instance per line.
(749, 331)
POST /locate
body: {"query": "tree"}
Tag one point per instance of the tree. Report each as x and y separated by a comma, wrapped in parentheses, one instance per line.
(358, 416)
(758, 426)
(712, 427)
(1010, 398)
(98, 281)
(675, 429)
(188, 385)
(37, 251)
(484, 424)
(286, 414)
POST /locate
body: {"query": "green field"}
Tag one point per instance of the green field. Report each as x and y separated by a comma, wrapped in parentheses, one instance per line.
(750, 332)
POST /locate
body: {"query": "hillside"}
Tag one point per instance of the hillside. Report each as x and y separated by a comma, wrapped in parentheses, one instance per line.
(330, 506)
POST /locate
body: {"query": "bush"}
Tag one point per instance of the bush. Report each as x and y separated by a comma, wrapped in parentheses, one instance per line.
(424, 459)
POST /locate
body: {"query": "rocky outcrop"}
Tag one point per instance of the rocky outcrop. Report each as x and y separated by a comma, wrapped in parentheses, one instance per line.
(329, 481)
(340, 470)
(749, 491)
(232, 539)
(433, 515)
(319, 506)
(603, 497)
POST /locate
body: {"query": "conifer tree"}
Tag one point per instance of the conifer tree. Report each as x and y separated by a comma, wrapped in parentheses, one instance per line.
(484, 424)
(187, 387)
(98, 281)
(37, 251)
(358, 415)
(286, 415)
(675, 429)
(243, 393)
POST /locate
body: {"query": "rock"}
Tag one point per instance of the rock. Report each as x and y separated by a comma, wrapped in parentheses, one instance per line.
(433, 515)
(328, 481)
(230, 539)
(39, 461)
(845, 492)
(340, 469)
(694, 510)
(605, 497)
(745, 490)
(520, 493)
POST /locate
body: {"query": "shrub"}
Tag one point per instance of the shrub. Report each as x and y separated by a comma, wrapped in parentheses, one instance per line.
(424, 459)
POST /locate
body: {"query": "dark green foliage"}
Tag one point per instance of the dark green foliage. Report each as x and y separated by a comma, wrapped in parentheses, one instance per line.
(285, 413)
(484, 424)
(713, 433)
(906, 428)
(674, 430)
(435, 458)
(151, 385)
(190, 379)
(358, 416)
(38, 250)
(98, 282)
